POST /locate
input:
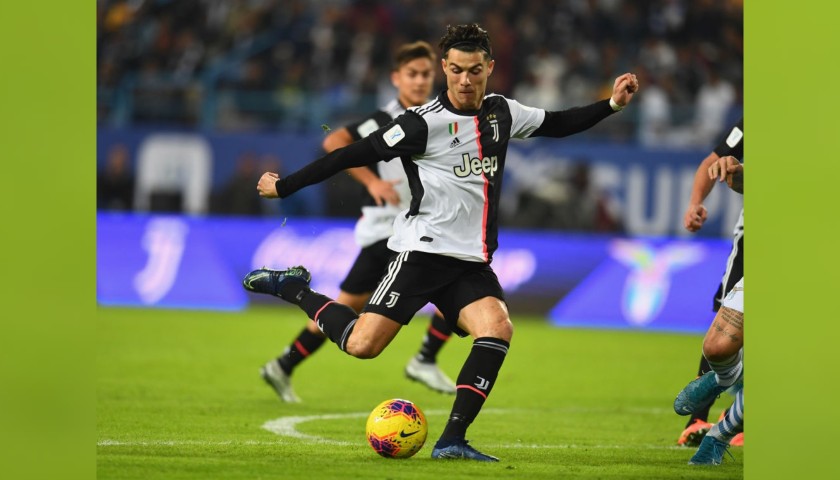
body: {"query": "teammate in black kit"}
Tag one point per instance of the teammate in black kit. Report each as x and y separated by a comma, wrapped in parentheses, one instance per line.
(695, 215)
(453, 151)
(413, 76)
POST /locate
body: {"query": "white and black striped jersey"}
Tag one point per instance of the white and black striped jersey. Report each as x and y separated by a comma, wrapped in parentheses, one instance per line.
(377, 222)
(454, 160)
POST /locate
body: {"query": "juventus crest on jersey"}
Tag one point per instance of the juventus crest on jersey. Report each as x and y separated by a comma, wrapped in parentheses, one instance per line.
(454, 161)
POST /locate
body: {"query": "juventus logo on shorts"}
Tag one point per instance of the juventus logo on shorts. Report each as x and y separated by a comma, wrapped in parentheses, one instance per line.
(393, 300)
(388, 281)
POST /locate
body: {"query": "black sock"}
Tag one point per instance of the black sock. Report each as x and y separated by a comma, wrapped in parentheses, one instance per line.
(304, 345)
(475, 381)
(436, 336)
(334, 319)
(294, 291)
(703, 413)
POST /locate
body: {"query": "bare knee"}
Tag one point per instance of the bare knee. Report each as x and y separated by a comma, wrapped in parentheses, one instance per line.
(717, 348)
(501, 328)
(726, 335)
(360, 346)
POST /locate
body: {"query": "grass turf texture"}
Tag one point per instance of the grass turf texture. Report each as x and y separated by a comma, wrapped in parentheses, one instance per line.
(179, 396)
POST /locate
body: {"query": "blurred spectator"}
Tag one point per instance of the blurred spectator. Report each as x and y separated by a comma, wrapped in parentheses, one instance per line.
(268, 64)
(565, 198)
(291, 206)
(238, 195)
(715, 98)
(584, 207)
(115, 183)
(654, 110)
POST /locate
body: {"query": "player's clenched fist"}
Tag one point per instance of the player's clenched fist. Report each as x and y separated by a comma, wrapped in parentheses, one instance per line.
(624, 88)
(694, 218)
(266, 186)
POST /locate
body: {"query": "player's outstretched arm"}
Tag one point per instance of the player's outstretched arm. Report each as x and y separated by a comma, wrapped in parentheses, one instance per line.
(577, 119)
(696, 214)
(356, 154)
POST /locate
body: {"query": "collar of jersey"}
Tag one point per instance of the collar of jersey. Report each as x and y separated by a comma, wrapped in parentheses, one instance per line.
(444, 100)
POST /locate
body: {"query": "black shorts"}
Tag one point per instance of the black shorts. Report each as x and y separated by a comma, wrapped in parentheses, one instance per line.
(414, 279)
(368, 268)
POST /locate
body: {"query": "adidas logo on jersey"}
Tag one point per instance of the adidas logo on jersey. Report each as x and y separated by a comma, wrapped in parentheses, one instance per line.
(477, 166)
(454, 143)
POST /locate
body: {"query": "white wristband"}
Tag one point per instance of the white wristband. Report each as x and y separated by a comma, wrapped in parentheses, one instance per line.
(616, 107)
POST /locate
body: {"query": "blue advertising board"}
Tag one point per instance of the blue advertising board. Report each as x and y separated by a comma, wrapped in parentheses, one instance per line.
(169, 261)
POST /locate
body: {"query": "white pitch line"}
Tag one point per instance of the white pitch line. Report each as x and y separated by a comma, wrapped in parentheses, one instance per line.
(181, 443)
(286, 428)
(198, 443)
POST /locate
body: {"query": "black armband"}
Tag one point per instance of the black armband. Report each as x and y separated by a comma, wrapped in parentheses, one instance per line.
(357, 154)
(574, 120)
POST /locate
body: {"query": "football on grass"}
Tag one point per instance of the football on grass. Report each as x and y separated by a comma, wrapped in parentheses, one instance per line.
(396, 428)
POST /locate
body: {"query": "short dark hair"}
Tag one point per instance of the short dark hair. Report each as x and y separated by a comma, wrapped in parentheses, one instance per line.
(412, 51)
(467, 38)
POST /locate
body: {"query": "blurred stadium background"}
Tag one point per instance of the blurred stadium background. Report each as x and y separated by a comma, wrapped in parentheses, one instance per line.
(196, 98)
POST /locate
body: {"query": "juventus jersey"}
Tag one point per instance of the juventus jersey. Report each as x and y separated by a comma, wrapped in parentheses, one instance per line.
(377, 222)
(454, 161)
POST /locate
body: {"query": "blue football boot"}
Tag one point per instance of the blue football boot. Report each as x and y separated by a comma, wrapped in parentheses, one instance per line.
(701, 392)
(710, 452)
(271, 282)
(461, 449)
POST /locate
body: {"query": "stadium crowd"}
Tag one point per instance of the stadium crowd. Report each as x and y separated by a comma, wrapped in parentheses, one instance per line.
(268, 64)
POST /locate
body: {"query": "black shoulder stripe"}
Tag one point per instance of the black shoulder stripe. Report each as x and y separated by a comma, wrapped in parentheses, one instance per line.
(425, 110)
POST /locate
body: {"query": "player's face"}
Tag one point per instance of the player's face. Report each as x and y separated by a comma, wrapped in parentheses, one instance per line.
(414, 81)
(466, 78)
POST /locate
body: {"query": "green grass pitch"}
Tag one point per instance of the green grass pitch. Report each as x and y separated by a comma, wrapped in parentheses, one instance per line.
(179, 396)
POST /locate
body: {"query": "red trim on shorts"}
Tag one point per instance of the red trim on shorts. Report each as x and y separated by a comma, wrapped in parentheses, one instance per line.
(470, 387)
(315, 318)
(486, 185)
(300, 348)
(437, 333)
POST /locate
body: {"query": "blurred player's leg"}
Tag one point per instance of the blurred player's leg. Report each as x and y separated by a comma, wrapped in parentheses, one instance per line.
(277, 373)
(423, 366)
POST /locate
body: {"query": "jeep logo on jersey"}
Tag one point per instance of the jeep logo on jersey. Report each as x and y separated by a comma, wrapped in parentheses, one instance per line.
(477, 166)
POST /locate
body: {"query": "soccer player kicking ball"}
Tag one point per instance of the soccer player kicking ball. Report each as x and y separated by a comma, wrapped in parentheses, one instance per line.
(453, 151)
(413, 75)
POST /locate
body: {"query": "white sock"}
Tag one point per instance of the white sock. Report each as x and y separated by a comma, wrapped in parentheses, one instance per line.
(732, 422)
(729, 370)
